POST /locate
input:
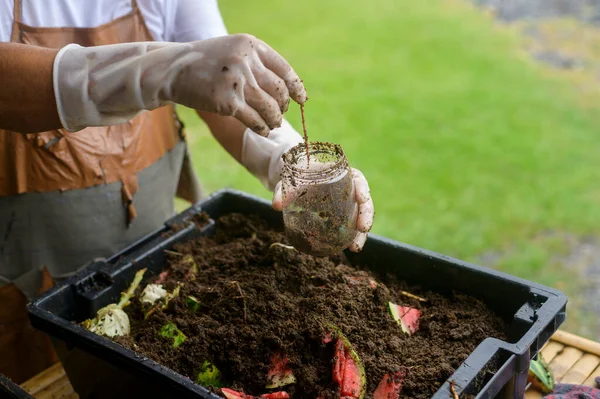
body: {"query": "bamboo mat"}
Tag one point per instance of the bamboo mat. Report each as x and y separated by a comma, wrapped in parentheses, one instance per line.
(573, 360)
(51, 383)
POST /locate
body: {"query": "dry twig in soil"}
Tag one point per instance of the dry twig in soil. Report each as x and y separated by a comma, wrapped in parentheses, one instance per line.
(243, 298)
(418, 298)
(252, 227)
(453, 390)
(278, 244)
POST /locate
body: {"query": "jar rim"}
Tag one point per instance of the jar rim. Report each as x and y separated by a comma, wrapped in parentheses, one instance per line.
(294, 155)
(331, 170)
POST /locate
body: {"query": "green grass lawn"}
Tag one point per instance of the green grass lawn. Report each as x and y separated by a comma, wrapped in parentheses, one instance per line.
(467, 147)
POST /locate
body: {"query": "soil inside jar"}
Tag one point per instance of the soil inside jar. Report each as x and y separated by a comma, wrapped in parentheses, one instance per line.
(258, 297)
(321, 221)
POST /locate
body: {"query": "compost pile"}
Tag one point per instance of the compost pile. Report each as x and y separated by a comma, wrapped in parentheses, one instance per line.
(249, 316)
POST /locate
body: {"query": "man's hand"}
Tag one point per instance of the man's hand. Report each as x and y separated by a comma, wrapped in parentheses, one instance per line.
(366, 210)
(236, 75)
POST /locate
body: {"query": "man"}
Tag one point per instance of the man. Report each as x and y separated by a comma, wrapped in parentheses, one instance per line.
(91, 151)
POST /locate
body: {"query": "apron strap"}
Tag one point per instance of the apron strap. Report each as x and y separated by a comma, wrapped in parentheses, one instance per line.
(15, 35)
(134, 4)
(18, 10)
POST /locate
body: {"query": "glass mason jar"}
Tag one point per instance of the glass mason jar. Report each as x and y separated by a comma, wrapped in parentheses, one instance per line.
(321, 217)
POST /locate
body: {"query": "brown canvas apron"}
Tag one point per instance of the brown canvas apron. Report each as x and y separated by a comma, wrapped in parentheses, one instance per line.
(85, 194)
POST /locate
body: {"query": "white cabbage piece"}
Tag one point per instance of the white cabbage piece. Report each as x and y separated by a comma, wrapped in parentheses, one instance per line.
(152, 293)
(112, 322)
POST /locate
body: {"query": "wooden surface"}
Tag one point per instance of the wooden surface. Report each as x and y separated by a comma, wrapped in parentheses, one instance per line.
(52, 383)
(574, 360)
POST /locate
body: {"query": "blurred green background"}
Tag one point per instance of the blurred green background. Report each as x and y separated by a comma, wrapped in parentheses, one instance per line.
(470, 148)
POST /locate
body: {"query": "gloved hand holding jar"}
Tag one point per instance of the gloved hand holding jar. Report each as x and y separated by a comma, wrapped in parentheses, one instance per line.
(326, 203)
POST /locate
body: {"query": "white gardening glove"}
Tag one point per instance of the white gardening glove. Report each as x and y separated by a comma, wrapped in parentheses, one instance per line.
(366, 210)
(236, 75)
(262, 155)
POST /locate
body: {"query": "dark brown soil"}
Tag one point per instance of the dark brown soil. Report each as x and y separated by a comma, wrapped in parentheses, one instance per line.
(257, 298)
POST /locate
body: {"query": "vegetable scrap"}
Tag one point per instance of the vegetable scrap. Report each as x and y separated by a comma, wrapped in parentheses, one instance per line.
(231, 394)
(171, 331)
(280, 374)
(111, 320)
(540, 375)
(162, 277)
(152, 293)
(191, 275)
(355, 280)
(275, 395)
(407, 317)
(348, 370)
(390, 385)
(167, 298)
(192, 303)
(209, 375)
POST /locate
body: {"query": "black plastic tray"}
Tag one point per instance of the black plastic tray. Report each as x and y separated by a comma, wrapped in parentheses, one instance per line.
(10, 390)
(98, 367)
